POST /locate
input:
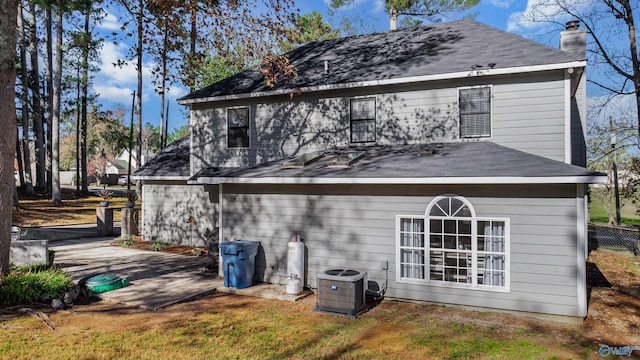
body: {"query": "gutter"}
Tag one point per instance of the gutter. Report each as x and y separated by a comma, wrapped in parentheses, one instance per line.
(503, 180)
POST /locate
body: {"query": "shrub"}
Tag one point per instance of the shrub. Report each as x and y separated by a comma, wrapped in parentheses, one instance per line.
(159, 245)
(33, 284)
(127, 242)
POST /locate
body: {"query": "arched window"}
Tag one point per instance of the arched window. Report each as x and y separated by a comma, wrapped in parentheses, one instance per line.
(450, 245)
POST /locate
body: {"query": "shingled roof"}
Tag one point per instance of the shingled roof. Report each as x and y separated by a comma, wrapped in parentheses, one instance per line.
(172, 163)
(453, 47)
(451, 163)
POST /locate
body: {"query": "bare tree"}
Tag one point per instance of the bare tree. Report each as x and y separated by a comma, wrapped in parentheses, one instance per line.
(7, 121)
(613, 52)
(429, 9)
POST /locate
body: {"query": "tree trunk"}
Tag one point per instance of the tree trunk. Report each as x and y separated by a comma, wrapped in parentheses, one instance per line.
(56, 195)
(19, 158)
(163, 88)
(8, 13)
(139, 95)
(84, 104)
(49, 91)
(38, 119)
(393, 18)
(25, 175)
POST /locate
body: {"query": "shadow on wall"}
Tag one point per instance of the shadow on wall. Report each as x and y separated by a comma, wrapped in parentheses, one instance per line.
(287, 127)
(181, 213)
(332, 238)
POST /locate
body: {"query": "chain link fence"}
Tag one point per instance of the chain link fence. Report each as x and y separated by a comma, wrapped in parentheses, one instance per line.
(614, 238)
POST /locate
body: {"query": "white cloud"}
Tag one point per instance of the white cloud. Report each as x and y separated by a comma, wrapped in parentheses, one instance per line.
(356, 3)
(110, 22)
(176, 91)
(503, 4)
(539, 11)
(113, 93)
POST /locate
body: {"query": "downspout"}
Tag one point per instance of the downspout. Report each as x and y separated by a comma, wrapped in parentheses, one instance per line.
(581, 250)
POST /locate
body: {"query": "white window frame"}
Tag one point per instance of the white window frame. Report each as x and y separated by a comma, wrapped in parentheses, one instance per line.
(490, 136)
(248, 126)
(475, 252)
(375, 120)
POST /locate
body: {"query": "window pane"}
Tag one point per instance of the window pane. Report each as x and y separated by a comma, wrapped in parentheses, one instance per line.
(412, 232)
(406, 224)
(363, 131)
(435, 226)
(464, 243)
(482, 226)
(464, 227)
(436, 270)
(450, 227)
(238, 117)
(238, 127)
(364, 108)
(492, 271)
(412, 264)
(444, 206)
(238, 137)
(457, 267)
(456, 207)
(435, 241)
(475, 112)
(450, 242)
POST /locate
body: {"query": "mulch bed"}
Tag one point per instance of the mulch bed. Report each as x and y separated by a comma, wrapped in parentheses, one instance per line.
(140, 244)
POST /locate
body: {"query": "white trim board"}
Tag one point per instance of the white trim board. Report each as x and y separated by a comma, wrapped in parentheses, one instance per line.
(418, 180)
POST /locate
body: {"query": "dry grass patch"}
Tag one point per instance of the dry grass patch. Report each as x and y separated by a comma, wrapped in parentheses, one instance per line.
(40, 211)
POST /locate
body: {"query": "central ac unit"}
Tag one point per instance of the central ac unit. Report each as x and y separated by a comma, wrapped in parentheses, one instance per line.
(342, 291)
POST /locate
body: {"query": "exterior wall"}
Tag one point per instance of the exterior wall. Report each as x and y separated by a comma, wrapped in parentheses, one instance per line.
(354, 226)
(528, 115)
(579, 121)
(168, 206)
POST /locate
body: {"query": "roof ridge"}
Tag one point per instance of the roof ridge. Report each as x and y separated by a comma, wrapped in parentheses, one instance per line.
(522, 38)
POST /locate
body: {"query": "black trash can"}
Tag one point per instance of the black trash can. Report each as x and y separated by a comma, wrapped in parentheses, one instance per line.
(238, 262)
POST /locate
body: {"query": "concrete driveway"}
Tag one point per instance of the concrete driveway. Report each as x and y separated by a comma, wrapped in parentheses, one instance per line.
(155, 279)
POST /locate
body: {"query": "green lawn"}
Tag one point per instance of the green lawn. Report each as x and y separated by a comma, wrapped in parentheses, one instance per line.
(598, 213)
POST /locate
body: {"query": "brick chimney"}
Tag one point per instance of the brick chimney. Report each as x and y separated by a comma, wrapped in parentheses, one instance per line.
(574, 41)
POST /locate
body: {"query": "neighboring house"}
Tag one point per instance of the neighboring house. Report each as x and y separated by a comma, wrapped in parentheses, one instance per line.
(120, 164)
(453, 152)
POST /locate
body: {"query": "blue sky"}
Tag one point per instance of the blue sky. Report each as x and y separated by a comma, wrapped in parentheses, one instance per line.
(115, 85)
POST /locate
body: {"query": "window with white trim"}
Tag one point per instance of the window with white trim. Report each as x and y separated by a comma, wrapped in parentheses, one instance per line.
(238, 127)
(452, 246)
(475, 112)
(363, 119)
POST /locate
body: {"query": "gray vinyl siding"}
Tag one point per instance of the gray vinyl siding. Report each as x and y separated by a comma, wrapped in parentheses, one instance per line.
(354, 226)
(167, 207)
(528, 115)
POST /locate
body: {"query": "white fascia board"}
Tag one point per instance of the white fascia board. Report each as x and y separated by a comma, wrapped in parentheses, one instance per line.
(161, 178)
(406, 181)
(395, 81)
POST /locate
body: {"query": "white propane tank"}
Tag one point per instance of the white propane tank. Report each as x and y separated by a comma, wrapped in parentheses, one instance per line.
(295, 265)
(294, 286)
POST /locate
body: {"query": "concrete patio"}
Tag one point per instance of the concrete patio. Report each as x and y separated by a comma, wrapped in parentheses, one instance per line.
(155, 279)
